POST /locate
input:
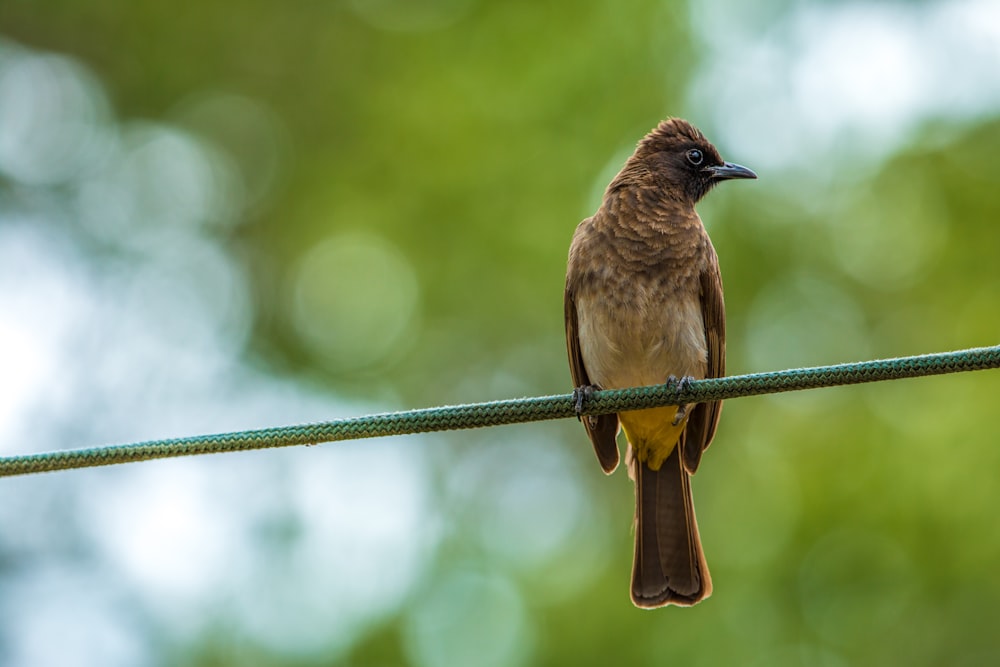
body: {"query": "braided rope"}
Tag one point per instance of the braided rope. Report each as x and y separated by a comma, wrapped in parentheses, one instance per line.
(511, 411)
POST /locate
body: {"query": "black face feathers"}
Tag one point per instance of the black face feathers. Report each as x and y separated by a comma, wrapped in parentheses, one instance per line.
(683, 161)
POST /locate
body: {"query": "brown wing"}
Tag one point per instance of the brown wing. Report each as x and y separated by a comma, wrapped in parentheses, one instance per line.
(705, 417)
(602, 429)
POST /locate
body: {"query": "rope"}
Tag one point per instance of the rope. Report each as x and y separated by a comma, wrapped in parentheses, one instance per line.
(511, 411)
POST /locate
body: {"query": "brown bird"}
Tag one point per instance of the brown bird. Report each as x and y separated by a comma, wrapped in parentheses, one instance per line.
(644, 306)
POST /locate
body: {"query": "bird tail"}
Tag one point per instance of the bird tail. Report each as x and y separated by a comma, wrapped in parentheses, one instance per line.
(669, 565)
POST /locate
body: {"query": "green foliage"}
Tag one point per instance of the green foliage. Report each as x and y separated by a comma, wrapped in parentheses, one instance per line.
(844, 526)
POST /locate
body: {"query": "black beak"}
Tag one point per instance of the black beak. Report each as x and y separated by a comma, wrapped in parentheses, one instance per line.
(729, 170)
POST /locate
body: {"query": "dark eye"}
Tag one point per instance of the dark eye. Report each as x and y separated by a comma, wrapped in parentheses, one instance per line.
(695, 157)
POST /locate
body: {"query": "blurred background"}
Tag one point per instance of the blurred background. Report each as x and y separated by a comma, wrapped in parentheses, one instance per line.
(225, 216)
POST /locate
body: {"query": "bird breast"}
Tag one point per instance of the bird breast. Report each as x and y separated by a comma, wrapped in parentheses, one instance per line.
(642, 335)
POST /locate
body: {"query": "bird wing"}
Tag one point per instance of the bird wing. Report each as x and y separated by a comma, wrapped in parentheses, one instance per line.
(705, 417)
(602, 429)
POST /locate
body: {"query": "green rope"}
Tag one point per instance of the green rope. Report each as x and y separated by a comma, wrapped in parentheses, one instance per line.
(511, 411)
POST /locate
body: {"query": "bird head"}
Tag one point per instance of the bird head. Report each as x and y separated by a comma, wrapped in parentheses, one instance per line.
(683, 161)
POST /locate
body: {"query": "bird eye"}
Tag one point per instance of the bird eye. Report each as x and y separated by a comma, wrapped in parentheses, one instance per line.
(695, 157)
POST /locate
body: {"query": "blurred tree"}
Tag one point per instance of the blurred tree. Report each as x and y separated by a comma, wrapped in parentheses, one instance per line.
(409, 177)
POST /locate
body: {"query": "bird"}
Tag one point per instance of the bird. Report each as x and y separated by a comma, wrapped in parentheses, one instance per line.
(644, 306)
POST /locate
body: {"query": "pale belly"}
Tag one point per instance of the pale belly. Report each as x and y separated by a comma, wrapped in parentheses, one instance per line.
(642, 345)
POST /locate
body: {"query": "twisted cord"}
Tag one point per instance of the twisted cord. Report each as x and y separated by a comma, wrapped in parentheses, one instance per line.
(512, 411)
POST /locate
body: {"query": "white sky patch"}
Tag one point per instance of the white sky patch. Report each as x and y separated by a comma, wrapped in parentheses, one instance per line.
(41, 302)
(60, 615)
(164, 528)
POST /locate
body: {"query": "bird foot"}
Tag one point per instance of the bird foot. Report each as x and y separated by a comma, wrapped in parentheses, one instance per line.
(682, 412)
(580, 396)
(679, 386)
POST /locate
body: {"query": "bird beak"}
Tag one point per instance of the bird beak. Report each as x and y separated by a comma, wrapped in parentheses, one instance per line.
(729, 170)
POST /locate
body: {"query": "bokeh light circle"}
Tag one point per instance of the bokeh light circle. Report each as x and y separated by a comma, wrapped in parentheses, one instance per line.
(354, 300)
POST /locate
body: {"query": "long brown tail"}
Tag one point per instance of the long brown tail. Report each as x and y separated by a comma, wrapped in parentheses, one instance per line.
(669, 565)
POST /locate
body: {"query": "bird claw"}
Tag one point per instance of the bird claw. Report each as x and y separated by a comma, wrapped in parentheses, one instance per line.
(683, 384)
(580, 396)
(681, 414)
(679, 386)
